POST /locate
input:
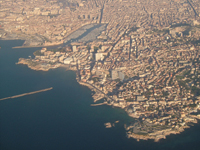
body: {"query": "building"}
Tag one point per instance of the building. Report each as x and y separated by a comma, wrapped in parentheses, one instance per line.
(140, 98)
(121, 76)
(74, 49)
(114, 74)
(61, 58)
(43, 50)
(117, 75)
(68, 60)
(99, 56)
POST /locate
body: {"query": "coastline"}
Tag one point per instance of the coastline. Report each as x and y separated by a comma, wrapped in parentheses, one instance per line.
(92, 89)
(32, 46)
(39, 68)
(156, 136)
(36, 67)
(25, 38)
(154, 129)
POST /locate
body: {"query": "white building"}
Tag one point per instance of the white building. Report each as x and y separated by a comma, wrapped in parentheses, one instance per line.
(68, 60)
(117, 75)
(121, 76)
(99, 56)
(74, 49)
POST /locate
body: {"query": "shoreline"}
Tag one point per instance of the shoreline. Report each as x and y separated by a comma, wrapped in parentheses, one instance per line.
(159, 135)
(16, 47)
(28, 46)
(156, 136)
(43, 44)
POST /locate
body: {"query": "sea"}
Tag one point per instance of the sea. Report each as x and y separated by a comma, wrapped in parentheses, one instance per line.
(62, 118)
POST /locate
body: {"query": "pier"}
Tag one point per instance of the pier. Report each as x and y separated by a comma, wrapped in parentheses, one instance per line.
(30, 93)
(99, 104)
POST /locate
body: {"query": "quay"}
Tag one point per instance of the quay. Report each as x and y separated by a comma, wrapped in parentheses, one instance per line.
(90, 86)
(33, 46)
(24, 94)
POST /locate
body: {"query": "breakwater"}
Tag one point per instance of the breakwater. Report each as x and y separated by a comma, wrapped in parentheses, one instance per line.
(99, 104)
(24, 94)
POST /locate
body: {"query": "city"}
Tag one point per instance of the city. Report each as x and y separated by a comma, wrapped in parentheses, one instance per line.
(146, 61)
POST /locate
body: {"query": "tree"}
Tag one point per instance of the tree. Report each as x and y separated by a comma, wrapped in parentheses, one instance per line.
(95, 49)
(88, 47)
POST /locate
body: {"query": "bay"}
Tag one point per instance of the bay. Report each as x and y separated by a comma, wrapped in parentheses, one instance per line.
(62, 118)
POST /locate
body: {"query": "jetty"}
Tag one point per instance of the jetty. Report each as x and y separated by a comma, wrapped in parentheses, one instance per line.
(24, 94)
(99, 104)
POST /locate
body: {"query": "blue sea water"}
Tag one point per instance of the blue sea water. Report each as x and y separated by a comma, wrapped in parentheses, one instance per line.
(62, 118)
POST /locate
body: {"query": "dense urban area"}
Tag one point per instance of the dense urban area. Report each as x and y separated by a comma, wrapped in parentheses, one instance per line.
(145, 60)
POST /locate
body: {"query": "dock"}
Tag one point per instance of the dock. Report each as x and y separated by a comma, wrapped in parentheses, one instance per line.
(24, 94)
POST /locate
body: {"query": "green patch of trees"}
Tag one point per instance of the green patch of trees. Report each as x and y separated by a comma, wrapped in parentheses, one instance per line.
(180, 25)
(38, 53)
(95, 49)
(165, 93)
(95, 79)
(179, 77)
(129, 99)
(192, 105)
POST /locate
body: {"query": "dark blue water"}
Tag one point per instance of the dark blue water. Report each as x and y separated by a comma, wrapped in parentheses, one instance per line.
(63, 118)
